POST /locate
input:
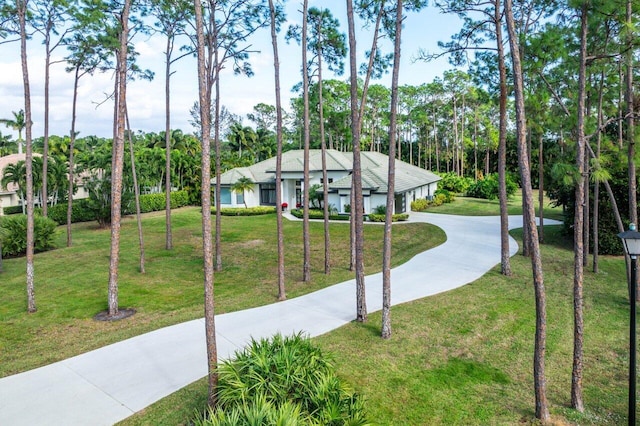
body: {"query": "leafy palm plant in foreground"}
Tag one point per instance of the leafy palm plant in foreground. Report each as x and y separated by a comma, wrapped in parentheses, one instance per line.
(284, 381)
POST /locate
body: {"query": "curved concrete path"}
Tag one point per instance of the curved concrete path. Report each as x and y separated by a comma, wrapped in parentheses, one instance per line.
(106, 385)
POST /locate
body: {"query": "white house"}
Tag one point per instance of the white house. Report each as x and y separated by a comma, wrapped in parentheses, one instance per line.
(411, 182)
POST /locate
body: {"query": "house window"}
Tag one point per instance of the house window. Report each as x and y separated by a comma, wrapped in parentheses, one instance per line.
(330, 180)
(239, 197)
(268, 194)
(225, 195)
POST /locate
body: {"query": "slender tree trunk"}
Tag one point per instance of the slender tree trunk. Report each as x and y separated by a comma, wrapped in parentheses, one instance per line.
(325, 178)
(386, 248)
(136, 190)
(542, 407)
(505, 260)
(117, 162)
(306, 263)
(22, 12)
(72, 142)
(357, 206)
(596, 185)
(168, 245)
(578, 225)
(204, 89)
(218, 263)
(279, 228)
(45, 148)
(541, 188)
(631, 134)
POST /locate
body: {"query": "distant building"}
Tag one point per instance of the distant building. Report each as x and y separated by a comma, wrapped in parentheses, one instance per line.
(411, 182)
(9, 196)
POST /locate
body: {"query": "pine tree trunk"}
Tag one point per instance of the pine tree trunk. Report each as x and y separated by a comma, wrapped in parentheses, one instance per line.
(72, 142)
(22, 16)
(539, 377)
(136, 192)
(357, 206)
(117, 162)
(279, 228)
(386, 248)
(204, 89)
(168, 245)
(306, 262)
(325, 179)
(578, 226)
(505, 260)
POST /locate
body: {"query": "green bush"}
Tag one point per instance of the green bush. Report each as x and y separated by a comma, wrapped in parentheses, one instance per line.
(454, 183)
(12, 210)
(283, 380)
(241, 211)
(381, 209)
(14, 237)
(398, 217)
(157, 202)
(319, 214)
(487, 188)
(419, 205)
(80, 212)
(449, 197)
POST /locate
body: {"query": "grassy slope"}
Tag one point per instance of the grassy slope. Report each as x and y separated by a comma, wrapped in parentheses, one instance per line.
(71, 283)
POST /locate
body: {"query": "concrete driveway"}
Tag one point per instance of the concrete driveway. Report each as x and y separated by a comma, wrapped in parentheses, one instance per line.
(106, 385)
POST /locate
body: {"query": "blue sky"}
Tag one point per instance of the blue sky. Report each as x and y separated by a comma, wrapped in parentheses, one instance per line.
(239, 93)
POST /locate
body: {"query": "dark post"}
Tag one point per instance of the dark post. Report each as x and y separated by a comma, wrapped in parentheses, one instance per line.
(632, 344)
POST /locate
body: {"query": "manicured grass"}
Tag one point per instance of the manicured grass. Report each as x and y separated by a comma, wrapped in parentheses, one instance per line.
(464, 357)
(71, 283)
(467, 206)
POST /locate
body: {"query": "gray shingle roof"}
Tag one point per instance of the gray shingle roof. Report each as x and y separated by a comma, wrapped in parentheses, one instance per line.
(374, 170)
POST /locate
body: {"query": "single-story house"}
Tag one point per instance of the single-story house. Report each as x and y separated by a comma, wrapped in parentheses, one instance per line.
(411, 182)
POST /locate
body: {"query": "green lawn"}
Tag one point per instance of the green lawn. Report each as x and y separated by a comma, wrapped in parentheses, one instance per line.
(71, 283)
(464, 357)
(478, 207)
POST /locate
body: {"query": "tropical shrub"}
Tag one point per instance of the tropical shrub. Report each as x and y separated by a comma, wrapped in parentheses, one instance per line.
(381, 209)
(99, 201)
(449, 196)
(454, 183)
(283, 380)
(419, 205)
(14, 237)
(487, 188)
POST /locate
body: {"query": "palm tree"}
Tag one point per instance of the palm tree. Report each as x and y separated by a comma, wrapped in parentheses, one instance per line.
(16, 174)
(18, 124)
(5, 144)
(243, 184)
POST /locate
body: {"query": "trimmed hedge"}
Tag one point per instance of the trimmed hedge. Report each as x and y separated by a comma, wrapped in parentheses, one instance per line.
(14, 237)
(80, 212)
(241, 211)
(318, 214)
(398, 217)
(157, 202)
(12, 210)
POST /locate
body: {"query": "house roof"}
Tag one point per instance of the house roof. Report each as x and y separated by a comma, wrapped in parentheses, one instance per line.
(374, 170)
